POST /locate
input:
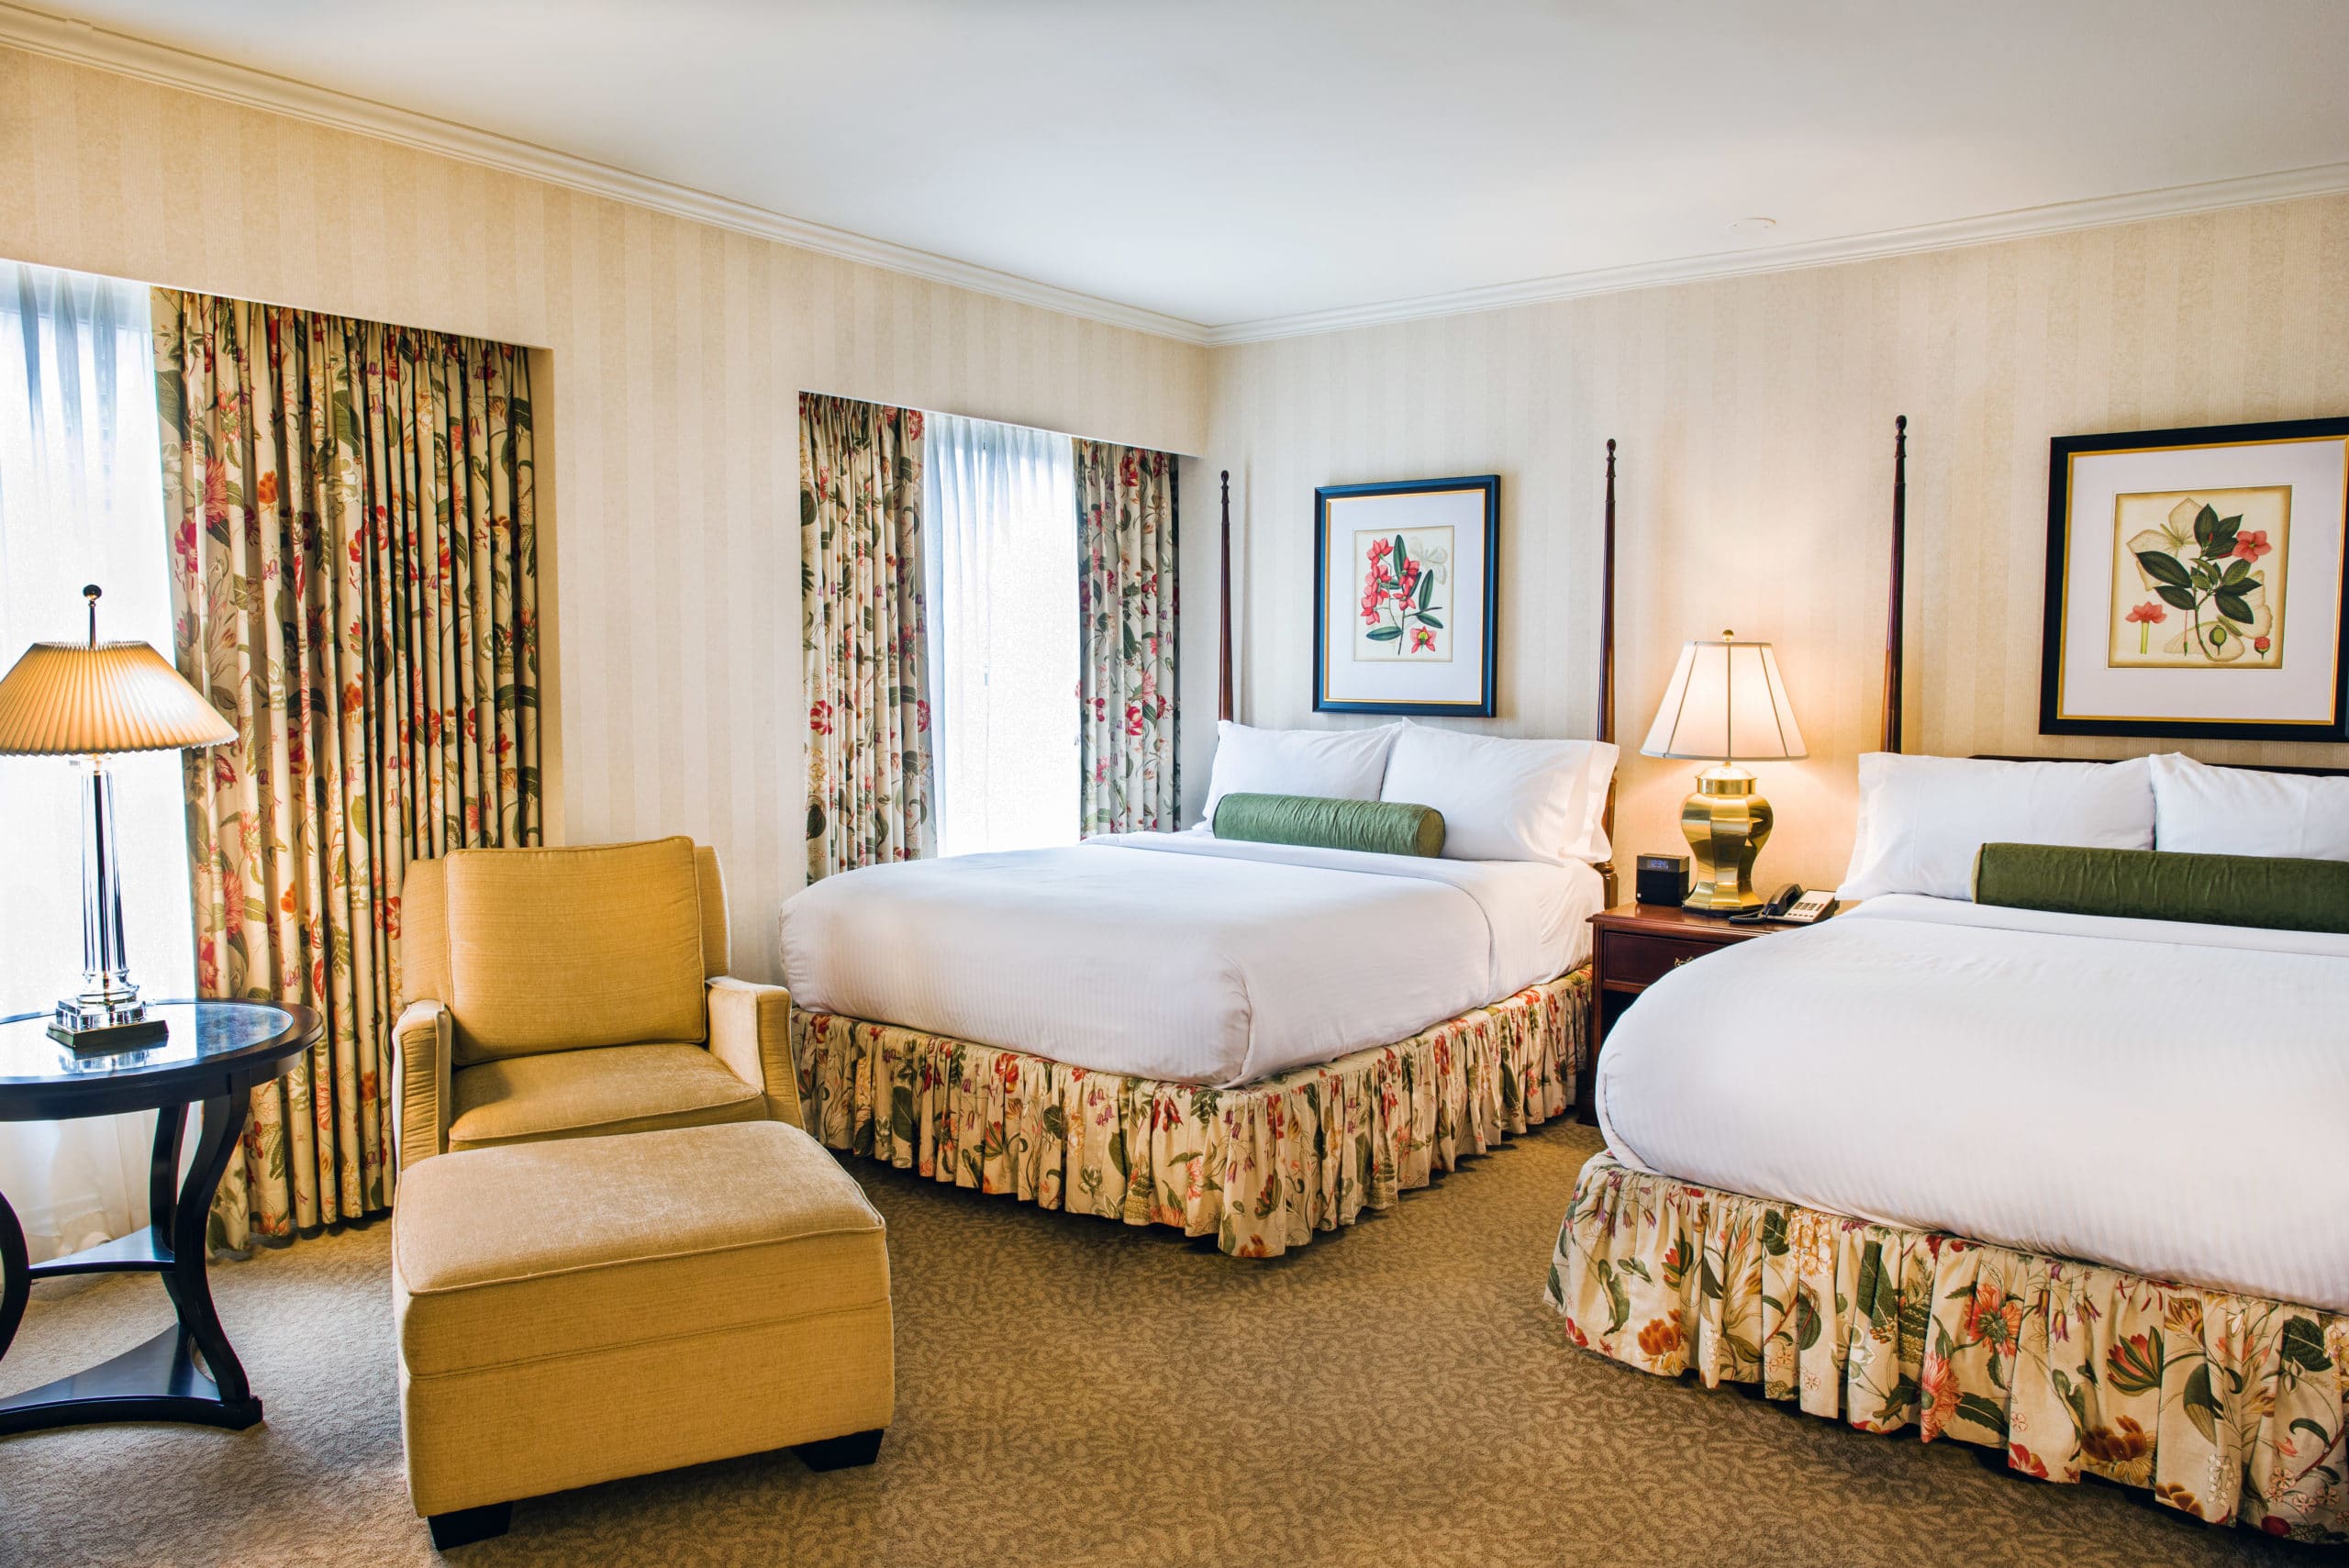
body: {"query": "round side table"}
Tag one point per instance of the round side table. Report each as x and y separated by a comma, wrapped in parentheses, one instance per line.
(217, 1055)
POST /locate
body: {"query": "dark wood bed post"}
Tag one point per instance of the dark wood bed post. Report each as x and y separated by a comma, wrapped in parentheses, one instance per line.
(1607, 662)
(1893, 632)
(1224, 635)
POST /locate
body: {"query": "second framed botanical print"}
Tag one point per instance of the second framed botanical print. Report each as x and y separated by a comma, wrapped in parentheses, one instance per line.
(2196, 583)
(1405, 598)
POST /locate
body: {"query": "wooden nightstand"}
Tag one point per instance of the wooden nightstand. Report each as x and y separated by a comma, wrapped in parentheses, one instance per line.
(1633, 946)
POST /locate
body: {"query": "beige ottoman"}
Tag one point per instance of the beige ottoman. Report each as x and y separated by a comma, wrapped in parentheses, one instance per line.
(575, 1311)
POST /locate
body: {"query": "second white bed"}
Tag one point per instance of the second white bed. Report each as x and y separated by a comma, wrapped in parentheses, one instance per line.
(1183, 957)
(2167, 1098)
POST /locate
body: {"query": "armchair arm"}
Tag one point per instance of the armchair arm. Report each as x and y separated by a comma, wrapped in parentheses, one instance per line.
(420, 1097)
(749, 1032)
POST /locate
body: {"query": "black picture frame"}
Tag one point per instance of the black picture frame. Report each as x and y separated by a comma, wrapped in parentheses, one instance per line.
(2062, 450)
(1486, 705)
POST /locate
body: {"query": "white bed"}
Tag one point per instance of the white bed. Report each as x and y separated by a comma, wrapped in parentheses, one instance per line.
(1256, 1041)
(2066, 1187)
(2171, 1099)
(1179, 957)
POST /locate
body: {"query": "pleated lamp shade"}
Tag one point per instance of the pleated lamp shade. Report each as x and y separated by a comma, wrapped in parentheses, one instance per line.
(69, 699)
(1725, 701)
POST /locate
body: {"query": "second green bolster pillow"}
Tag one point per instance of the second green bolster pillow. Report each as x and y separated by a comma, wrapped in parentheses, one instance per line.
(1379, 826)
(2154, 884)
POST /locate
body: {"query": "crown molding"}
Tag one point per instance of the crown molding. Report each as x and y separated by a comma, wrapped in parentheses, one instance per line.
(2061, 217)
(83, 43)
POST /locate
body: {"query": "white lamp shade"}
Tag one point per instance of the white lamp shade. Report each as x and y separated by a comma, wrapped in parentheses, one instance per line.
(69, 699)
(1726, 702)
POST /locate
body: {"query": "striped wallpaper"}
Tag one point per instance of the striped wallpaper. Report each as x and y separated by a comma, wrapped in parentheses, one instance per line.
(1755, 418)
(667, 404)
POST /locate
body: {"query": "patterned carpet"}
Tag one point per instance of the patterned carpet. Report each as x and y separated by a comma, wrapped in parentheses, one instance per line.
(1073, 1392)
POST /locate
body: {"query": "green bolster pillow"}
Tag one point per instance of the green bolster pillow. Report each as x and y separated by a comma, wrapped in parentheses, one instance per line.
(1379, 826)
(2156, 885)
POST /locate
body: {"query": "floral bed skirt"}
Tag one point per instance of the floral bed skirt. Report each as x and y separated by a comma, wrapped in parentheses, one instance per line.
(2230, 1407)
(1261, 1167)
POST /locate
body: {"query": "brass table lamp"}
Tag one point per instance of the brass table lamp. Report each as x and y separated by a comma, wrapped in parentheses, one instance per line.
(1725, 703)
(65, 699)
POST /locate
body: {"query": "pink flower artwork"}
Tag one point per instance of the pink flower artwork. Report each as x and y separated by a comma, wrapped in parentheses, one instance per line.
(1402, 607)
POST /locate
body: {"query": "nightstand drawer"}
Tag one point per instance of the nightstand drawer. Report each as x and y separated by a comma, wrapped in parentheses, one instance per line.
(1634, 958)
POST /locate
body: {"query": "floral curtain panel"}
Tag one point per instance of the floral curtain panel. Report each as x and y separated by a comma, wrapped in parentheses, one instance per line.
(354, 582)
(863, 660)
(1130, 744)
(2229, 1407)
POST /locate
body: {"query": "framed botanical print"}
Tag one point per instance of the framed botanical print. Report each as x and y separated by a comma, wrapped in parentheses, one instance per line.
(2196, 583)
(1404, 596)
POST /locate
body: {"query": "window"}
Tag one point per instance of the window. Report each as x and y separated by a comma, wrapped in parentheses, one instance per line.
(1003, 634)
(81, 501)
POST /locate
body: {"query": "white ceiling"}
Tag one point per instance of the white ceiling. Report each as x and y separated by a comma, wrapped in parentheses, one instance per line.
(1221, 161)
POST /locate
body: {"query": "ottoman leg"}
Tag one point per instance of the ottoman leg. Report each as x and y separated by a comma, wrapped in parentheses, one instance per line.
(841, 1453)
(463, 1527)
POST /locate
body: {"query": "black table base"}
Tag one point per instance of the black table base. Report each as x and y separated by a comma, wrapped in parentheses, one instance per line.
(186, 1373)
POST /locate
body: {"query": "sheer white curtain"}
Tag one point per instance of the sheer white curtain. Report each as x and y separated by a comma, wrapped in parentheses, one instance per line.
(82, 501)
(1000, 532)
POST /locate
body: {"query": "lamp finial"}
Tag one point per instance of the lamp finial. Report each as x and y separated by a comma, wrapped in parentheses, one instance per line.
(91, 592)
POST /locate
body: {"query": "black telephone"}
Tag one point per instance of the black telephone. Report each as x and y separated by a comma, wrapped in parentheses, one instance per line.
(1790, 903)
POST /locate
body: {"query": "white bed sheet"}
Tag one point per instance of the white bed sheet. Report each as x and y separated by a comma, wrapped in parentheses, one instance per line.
(1182, 957)
(2171, 1099)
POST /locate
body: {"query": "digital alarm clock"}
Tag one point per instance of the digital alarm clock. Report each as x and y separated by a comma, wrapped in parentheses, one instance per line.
(1661, 879)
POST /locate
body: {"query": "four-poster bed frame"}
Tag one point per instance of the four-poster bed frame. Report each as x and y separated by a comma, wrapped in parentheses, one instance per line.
(1223, 632)
(1897, 597)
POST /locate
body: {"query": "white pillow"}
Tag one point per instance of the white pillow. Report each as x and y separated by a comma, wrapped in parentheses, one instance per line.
(1590, 845)
(2199, 809)
(1335, 764)
(1921, 818)
(1505, 799)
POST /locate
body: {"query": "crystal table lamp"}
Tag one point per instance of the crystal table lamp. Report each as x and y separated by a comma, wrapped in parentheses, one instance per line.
(1725, 703)
(65, 699)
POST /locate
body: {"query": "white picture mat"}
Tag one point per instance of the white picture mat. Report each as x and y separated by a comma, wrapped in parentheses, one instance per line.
(2303, 690)
(1460, 680)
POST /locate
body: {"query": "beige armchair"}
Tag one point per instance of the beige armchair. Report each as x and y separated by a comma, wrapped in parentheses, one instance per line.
(572, 993)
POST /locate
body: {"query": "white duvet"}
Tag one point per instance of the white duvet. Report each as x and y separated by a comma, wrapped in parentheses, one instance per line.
(1182, 957)
(2171, 1099)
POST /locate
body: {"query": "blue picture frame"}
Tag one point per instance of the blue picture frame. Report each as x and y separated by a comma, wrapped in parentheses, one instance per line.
(1486, 592)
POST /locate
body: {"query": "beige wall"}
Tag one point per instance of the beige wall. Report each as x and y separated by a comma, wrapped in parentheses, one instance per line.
(677, 353)
(1755, 418)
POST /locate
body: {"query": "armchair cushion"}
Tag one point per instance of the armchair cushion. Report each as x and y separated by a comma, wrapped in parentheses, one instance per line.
(572, 948)
(424, 925)
(590, 1093)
